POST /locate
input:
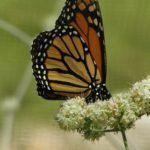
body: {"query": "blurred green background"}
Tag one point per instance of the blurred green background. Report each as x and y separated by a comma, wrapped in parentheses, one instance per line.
(127, 34)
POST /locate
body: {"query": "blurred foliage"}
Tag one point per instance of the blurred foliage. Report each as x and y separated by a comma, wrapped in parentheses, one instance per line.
(127, 34)
(127, 38)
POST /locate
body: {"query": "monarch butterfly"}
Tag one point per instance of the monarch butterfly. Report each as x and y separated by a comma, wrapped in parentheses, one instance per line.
(70, 60)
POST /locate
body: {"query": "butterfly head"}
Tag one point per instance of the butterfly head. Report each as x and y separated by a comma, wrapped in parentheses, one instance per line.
(99, 92)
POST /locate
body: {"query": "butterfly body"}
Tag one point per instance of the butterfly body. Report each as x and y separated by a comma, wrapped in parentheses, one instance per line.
(69, 61)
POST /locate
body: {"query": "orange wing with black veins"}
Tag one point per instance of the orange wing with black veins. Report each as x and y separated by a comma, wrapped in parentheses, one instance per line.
(85, 16)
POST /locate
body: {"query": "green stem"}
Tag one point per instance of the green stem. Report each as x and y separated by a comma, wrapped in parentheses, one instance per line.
(125, 139)
(122, 132)
(107, 130)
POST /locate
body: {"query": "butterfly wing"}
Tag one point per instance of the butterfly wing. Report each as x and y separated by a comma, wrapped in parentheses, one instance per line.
(85, 16)
(63, 65)
(71, 60)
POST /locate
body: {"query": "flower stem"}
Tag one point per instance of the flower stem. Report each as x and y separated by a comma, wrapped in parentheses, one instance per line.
(106, 130)
(125, 139)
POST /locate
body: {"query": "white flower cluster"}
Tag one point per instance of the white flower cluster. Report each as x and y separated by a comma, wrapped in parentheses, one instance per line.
(119, 113)
(71, 114)
(140, 94)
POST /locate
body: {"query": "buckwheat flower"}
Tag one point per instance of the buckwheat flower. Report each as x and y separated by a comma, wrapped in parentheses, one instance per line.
(93, 120)
(113, 113)
(118, 114)
(103, 116)
(140, 93)
(71, 114)
(98, 113)
(123, 116)
(96, 119)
